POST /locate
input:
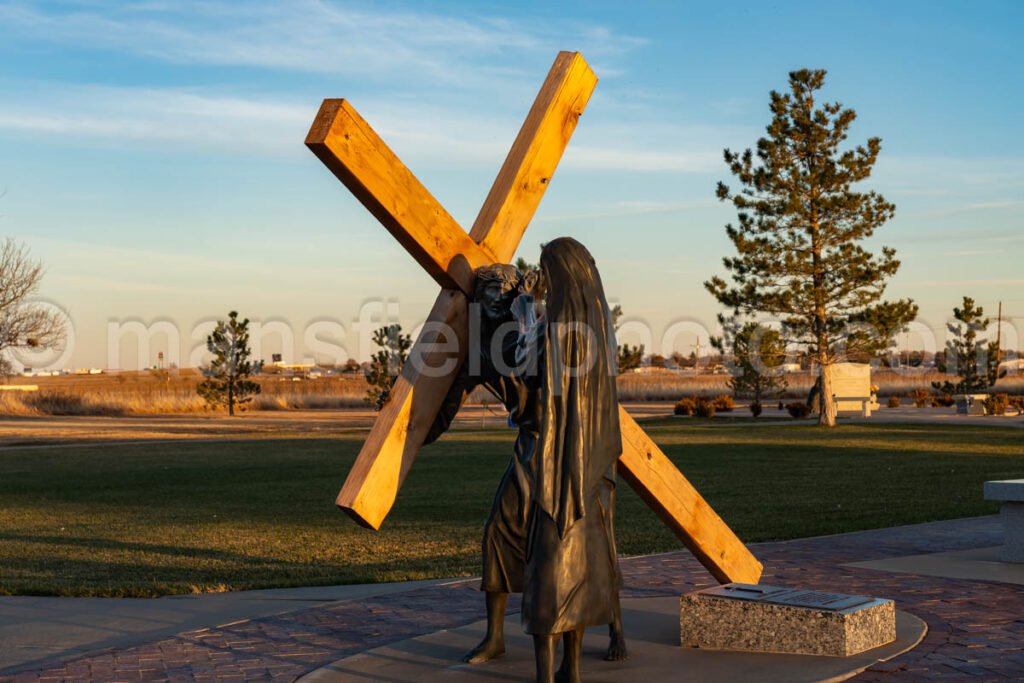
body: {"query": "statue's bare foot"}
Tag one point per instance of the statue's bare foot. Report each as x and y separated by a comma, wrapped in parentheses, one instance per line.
(616, 650)
(486, 650)
(564, 675)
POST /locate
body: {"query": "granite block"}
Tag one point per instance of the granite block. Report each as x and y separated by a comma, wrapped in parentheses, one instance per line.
(1012, 516)
(775, 619)
(1007, 489)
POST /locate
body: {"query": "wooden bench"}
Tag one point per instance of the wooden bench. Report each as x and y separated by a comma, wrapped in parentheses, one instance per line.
(1011, 493)
(865, 403)
(970, 404)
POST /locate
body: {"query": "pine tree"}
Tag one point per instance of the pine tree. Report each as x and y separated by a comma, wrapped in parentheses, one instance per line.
(627, 357)
(758, 354)
(227, 382)
(522, 265)
(386, 363)
(976, 362)
(799, 230)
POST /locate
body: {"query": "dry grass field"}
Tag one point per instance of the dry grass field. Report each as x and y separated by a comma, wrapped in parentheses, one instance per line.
(157, 392)
(161, 392)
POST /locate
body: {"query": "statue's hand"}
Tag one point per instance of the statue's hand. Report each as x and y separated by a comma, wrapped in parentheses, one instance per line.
(529, 282)
(524, 312)
(531, 329)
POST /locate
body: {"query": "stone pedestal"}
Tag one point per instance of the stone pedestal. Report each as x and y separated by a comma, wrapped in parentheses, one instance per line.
(654, 656)
(1012, 516)
(1011, 493)
(753, 618)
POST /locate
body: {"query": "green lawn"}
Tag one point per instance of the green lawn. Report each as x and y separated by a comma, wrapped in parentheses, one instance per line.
(146, 520)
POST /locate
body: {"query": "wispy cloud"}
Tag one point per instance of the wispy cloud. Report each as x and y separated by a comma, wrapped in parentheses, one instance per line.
(441, 67)
(156, 115)
(437, 87)
(141, 268)
(938, 175)
(981, 282)
(996, 204)
(420, 132)
(633, 159)
(310, 36)
(984, 240)
(639, 207)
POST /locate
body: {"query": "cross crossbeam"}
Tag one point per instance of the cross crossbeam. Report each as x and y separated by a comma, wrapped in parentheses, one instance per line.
(359, 158)
(347, 145)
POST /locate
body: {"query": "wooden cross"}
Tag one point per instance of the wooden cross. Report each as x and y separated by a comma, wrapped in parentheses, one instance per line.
(347, 145)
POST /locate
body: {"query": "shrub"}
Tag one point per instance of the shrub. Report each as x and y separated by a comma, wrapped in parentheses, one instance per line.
(996, 404)
(1018, 403)
(781, 406)
(705, 408)
(798, 409)
(942, 401)
(684, 406)
(894, 401)
(723, 403)
(922, 397)
(755, 409)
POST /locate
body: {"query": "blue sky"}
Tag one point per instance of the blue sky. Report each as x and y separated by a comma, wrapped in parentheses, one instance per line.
(153, 154)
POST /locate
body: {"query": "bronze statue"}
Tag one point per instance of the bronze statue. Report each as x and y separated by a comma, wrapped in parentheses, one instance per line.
(517, 384)
(350, 148)
(572, 572)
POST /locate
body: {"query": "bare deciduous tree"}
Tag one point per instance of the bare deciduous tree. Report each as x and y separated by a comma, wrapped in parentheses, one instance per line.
(23, 324)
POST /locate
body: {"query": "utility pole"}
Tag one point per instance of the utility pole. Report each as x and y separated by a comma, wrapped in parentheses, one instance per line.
(999, 336)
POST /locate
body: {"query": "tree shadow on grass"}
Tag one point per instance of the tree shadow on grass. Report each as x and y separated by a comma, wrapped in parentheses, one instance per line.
(133, 547)
(136, 570)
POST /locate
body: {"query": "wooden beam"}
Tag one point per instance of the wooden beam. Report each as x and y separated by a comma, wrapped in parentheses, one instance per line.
(402, 424)
(347, 145)
(531, 162)
(664, 488)
(397, 434)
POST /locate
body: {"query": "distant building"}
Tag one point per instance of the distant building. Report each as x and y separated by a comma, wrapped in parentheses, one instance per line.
(1013, 367)
(300, 370)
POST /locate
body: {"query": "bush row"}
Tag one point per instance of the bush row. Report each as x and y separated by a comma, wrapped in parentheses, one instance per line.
(995, 404)
(707, 407)
(704, 407)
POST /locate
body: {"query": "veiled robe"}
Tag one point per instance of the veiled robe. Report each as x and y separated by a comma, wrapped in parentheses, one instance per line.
(572, 573)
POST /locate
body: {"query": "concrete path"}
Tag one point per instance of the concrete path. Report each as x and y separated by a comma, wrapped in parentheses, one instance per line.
(976, 564)
(34, 630)
(975, 623)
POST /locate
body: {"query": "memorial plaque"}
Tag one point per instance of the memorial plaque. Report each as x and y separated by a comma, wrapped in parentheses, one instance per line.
(744, 591)
(832, 602)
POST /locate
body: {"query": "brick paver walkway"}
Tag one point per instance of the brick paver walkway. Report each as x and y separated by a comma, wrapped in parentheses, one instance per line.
(976, 628)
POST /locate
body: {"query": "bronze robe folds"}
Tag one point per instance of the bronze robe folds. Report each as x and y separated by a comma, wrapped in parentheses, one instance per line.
(572, 571)
(504, 542)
